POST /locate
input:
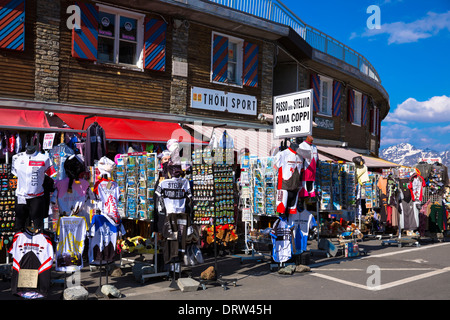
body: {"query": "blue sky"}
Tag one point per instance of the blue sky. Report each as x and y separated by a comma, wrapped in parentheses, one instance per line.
(411, 53)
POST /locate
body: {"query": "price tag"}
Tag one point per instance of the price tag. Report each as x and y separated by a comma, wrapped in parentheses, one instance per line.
(246, 214)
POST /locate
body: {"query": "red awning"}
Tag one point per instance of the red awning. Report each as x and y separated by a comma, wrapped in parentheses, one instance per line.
(119, 129)
(26, 119)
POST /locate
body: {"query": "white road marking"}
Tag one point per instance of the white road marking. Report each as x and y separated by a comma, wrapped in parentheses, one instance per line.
(352, 284)
(433, 271)
(405, 251)
(381, 269)
(384, 286)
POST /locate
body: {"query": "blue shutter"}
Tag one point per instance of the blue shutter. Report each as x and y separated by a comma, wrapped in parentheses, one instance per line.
(85, 39)
(12, 24)
(250, 74)
(155, 45)
(364, 110)
(337, 93)
(315, 85)
(351, 105)
(220, 59)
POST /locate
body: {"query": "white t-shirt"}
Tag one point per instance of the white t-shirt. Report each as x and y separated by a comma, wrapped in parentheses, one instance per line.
(109, 194)
(30, 171)
(71, 234)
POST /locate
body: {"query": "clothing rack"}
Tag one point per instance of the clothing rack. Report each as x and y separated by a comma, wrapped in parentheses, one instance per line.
(399, 240)
(218, 279)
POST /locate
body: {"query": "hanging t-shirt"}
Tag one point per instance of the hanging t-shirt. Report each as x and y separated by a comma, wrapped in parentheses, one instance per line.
(281, 240)
(109, 193)
(31, 251)
(67, 200)
(302, 222)
(310, 156)
(103, 241)
(30, 170)
(174, 193)
(71, 233)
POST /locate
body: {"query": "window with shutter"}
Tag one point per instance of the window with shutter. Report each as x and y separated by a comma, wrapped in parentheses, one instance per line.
(325, 93)
(232, 63)
(111, 35)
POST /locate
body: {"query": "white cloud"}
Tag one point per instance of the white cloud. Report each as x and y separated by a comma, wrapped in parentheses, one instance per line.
(397, 133)
(432, 136)
(407, 32)
(436, 109)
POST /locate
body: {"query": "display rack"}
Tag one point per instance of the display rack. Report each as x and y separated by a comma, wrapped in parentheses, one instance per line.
(7, 213)
(213, 197)
(262, 179)
(136, 175)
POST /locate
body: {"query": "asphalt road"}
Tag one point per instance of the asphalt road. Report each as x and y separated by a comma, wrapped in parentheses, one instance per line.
(385, 273)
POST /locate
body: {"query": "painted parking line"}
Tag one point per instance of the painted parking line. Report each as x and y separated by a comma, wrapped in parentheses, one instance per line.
(384, 286)
(431, 271)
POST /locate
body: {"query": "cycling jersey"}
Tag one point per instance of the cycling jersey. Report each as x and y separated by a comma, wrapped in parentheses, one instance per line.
(289, 165)
(103, 241)
(31, 251)
(174, 193)
(302, 222)
(281, 240)
(30, 170)
(309, 153)
(71, 232)
(109, 193)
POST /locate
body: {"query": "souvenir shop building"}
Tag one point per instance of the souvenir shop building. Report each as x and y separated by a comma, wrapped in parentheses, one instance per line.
(153, 71)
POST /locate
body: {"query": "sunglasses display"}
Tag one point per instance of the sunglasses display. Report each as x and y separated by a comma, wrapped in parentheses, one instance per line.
(8, 185)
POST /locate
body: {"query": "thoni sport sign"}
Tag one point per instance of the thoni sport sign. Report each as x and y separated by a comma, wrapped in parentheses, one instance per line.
(292, 114)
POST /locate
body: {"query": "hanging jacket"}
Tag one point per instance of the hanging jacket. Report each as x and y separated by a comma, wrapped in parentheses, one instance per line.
(416, 185)
(95, 144)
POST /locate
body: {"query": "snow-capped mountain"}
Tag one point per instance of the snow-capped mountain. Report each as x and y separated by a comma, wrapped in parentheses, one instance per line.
(408, 155)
